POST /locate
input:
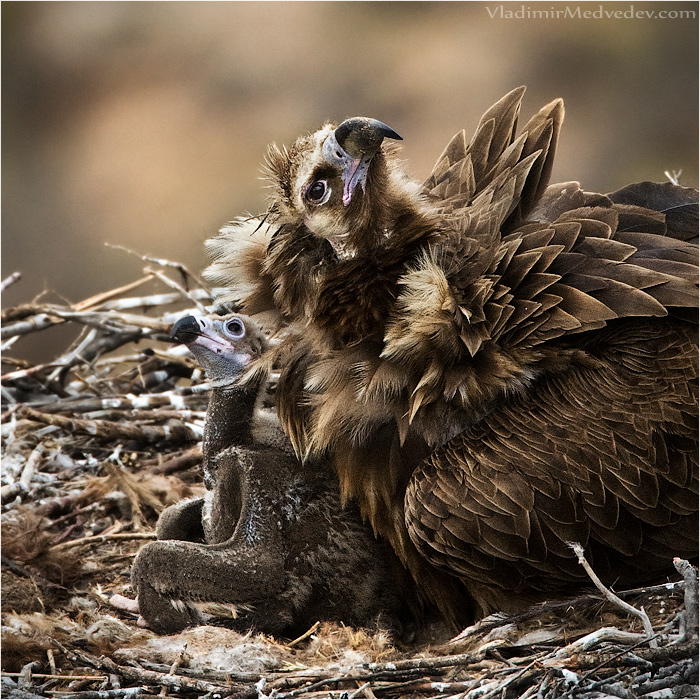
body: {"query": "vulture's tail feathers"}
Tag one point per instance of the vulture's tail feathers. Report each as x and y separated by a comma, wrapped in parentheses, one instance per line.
(679, 205)
(542, 135)
(494, 134)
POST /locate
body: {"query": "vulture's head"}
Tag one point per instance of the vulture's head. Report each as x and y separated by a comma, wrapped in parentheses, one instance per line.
(225, 346)
(336, 183)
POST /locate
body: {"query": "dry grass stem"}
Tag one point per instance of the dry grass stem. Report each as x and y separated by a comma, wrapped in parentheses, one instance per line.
(101, 539)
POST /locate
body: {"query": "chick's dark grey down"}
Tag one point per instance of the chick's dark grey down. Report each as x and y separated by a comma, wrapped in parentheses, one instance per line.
(271, 535)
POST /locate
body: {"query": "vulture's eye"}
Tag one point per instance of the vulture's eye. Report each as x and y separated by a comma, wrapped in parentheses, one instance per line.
(317, 192)
(234, 328)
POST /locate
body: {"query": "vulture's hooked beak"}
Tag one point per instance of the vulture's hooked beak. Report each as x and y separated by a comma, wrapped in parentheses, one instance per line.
(352, 146)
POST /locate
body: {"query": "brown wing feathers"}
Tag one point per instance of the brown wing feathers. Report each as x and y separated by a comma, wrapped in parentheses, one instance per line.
(571, 276)
(512, 493)
(499, 365)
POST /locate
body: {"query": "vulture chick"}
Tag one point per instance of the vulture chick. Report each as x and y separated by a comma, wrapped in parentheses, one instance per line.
(271, 534)
(495, 365)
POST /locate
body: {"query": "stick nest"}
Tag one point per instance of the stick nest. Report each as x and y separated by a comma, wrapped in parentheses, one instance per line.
(96, 442)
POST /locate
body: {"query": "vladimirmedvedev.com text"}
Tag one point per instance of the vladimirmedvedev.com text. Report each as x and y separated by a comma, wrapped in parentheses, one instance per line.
(586, 12)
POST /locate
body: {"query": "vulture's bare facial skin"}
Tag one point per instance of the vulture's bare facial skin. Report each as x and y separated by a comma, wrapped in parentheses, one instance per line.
(225, 347)
(325, 184)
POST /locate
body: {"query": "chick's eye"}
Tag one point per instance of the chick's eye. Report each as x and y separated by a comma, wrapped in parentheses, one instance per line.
(235, 328)
(317, 192)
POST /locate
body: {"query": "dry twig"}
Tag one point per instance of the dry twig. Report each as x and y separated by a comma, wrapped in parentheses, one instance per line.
(616, 600)
(109, 430)
(11, 279)
(100, 299)
(689, 632)
(101, 539)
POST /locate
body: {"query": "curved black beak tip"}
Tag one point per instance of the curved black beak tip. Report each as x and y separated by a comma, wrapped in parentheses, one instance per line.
(184, 330)
(389, 133)
(363, 135)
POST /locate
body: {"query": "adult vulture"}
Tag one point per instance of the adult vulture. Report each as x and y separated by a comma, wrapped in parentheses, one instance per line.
(497, 366)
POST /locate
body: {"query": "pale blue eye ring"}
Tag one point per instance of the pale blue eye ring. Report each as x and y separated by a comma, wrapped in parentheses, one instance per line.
(234, 328)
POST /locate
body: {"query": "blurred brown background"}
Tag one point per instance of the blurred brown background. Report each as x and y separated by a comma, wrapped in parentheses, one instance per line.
(144, 124)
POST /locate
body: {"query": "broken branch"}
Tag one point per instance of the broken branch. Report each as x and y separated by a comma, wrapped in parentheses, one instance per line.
(641, 614)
